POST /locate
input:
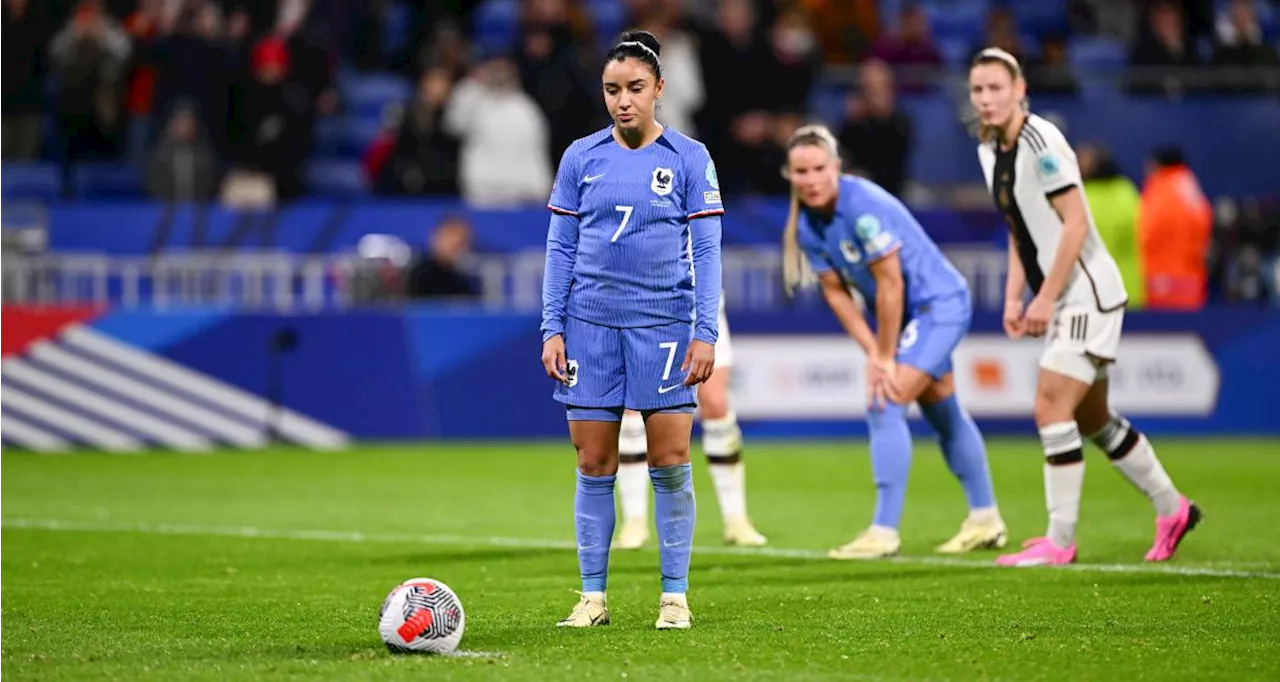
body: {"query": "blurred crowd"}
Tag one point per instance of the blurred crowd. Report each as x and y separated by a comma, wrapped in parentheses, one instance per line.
(221, 97)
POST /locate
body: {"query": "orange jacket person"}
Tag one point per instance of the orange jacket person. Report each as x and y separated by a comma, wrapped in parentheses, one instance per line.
(1174, 228)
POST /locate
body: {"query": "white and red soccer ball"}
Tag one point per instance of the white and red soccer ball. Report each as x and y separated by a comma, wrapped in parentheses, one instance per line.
(422, 615)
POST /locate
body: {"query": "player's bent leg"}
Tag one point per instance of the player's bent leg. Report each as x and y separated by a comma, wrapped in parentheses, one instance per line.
(674, 508)
(633, 483)
(890, 466)
(594, 433)
(1133, 456)
(966, 455)
(1065, 377)
(722, 442)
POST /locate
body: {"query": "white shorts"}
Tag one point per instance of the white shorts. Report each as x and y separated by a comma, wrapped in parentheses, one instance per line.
(1082, 341)
(724, 345)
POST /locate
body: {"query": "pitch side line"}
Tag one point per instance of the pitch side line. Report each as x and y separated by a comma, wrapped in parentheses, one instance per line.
(531, 543)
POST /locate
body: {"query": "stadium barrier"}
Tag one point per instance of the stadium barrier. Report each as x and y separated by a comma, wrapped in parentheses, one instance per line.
(194, 379)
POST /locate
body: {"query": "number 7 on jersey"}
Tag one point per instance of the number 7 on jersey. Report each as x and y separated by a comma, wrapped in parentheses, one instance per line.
(626, 218)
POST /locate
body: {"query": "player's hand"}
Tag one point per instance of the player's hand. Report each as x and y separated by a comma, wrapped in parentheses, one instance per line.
(553, 358)
(881, 388)
(1036, 320)
(1013, 324)
(699, 362)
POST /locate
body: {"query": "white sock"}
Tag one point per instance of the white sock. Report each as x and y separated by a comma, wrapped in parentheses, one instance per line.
(677, 597)
(722, 441)
(633, 490)
(1132, 455)
(984, 515)
(1063, 479)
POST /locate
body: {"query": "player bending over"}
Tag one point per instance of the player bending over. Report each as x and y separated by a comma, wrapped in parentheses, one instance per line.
(721, 440)
(1078, 306)
(851, 232)
(629, 319)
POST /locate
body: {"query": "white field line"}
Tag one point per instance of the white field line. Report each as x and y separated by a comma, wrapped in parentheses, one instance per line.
(535, 543)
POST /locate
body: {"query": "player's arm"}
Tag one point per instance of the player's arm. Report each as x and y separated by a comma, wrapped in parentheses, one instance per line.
(704, 209)
(846, 309)
(562, 247)
(1059, 176)
(1015, 282)
(882, 247)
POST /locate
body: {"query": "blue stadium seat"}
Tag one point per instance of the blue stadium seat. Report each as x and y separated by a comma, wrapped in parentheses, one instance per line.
(39, 181)
(1086, 53)
(957, 19)
(397, 22)
(1041, 17)
(107, 180)
(336, 178)
(368, 94)
(494, 24)
(609, 18)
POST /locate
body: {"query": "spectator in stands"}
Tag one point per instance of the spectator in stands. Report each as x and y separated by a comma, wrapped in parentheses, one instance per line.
(1002, 32)
(1163, 53)
(424, 158)
(843, 27)
(446, 50)
(877, 135)
(911, 50)
(439, 273)
(683, 94)
(89, 56)
(1175, 224)
(1051, 73)
(195, 63)
(379, 150)
(1113, 201)
(553, 69)
(797, 59)
(734, 122)
(1240, 44)
(183, 166)
(23, 63)
(270, 134)
(505, 139)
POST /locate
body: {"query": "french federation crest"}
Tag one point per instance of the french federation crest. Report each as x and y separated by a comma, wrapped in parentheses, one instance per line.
(850, 252)
(663, 181)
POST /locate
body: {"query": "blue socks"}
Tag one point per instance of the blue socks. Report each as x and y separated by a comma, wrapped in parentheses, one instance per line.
(890, 462)
(963, 448)
(674, 509)
(593, 516)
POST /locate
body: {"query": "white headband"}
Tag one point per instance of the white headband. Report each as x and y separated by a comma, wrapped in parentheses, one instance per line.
(997, 53)
(641, 45)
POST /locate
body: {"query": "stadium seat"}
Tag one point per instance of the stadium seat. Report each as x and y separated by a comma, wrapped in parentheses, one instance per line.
(1041, 17)
(337, 178)
(368, 94)
(494, 24)
(107, 180)
(960, 20)
(608, 18)
(39, 181)
(1088, 53)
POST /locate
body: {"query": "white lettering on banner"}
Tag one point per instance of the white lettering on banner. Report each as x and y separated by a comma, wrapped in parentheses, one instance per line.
(821, 377)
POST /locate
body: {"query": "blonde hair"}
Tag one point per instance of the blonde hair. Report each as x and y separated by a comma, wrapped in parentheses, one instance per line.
(993, 55)
(796, 272)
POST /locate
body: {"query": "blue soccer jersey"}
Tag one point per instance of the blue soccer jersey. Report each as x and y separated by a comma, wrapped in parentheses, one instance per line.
(869, 224)
(633, 270)
(640, 249)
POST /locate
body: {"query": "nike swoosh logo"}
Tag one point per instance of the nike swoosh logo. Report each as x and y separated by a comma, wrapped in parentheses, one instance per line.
(593, 178)
(668, 389)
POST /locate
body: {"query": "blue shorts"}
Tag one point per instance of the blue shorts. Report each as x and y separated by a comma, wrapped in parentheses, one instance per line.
(932, 334)
(638, 368)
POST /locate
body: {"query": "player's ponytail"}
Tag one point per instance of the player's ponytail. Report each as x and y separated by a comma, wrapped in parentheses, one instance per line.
(796, 272)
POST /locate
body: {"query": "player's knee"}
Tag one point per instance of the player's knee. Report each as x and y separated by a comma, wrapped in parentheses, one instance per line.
(887, 417)
(1057, 397)
(597, 459)
(669, 453)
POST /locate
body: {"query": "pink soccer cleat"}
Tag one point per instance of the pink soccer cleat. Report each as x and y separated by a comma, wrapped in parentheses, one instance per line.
(1171, 529)
(1039, 552)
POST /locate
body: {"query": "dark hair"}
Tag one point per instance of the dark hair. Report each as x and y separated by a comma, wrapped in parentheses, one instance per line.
(640, 45)
(1169, 156)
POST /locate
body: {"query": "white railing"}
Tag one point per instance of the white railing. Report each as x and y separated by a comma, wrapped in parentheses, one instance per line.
(255, 281)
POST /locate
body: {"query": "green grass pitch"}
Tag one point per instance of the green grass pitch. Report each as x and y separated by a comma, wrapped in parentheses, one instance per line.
(272, 565)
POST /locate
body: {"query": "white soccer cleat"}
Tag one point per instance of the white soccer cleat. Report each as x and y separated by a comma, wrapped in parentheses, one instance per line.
(872, 543)
(740, 533)
(975, 533)
(634, 533)
(673, 613)
(592, 610)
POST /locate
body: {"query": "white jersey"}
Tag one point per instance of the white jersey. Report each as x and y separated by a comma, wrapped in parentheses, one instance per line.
(1022, 181)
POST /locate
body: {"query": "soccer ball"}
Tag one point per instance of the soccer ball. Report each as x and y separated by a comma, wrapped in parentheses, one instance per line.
(422, 615)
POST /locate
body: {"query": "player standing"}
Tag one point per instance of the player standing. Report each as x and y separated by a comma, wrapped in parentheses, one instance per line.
(722, 442)
(629, 319)
(850, 231)
(1078, 305)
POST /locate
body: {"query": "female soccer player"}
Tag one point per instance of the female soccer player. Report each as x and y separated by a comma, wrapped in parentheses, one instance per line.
(722, 442)
(850, 231)
(629, 314)
(1078, 306)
